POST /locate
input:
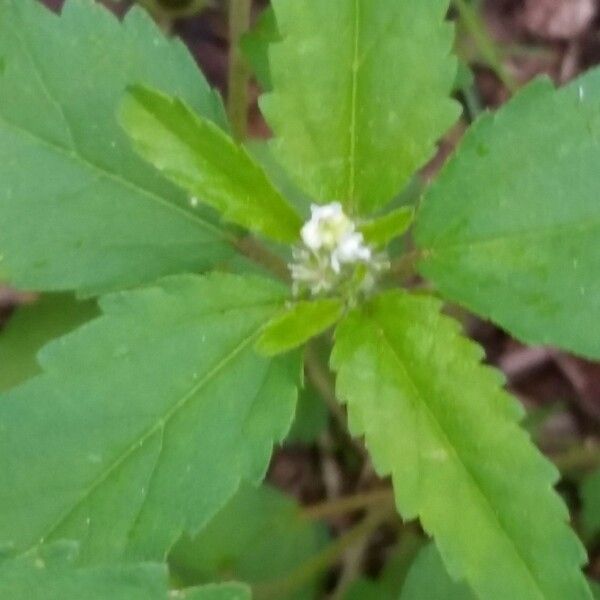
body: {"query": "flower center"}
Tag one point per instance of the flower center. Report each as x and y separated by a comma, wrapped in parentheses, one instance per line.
(333, 253)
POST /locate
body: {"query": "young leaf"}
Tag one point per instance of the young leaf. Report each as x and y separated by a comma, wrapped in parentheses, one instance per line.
(438, 421)
(200, 157)
(361, 94)
(590, 496)
(259, 537)
(429, 580)
(381, 231)
(255, 46)
(33, 326)
(79, 210)
(298, 324)
(145, 421)
(50, 573)
(510, 229)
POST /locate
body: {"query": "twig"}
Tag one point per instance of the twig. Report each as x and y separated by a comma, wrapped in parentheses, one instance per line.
(348, 504)
(239, 72)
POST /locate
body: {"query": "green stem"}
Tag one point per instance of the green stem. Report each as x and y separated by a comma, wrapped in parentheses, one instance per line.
(405, 266)
(239, 73)
(322, 381)
(284, 587)
(252, 249)
(476, 28)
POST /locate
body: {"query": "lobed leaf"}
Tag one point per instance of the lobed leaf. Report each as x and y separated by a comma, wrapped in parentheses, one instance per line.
(79, 210)
(510, 228)
(51, 573)
(438, 421)
(200, 157)
(299, 323)
(429, 580)
(259, 537)
(145, 421)
(31, 327)
(361, 94)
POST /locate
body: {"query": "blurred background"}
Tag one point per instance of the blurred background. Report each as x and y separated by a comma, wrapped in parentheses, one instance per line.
(502, 44)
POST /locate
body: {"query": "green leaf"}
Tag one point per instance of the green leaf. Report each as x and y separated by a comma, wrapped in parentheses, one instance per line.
(50, 573)
(79, 210)
(298, 324)
(381, 231)
(389, 582)
(429, 580)
(145, 420)
(510, 229)
(438, 421)
(361, 94)
(255, 46)
(590, 497)
(196, 154)
(262, 152)
(595, 586)
(31, 327)
(223, 591)
(259, 537)
(311, 417)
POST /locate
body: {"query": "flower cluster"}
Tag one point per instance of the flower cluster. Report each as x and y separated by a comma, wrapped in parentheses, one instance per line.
(332, 250)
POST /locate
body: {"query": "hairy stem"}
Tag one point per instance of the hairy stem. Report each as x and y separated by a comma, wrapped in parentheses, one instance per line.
(239, 73)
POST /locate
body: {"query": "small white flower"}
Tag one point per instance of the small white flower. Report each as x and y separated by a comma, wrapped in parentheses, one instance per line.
(351, 249)
(330, 252)
(327, 226)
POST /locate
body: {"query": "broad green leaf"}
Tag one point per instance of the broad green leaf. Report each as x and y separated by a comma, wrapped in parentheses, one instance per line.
(51, 573)
(145, 421)
(255, 46)
(381, 231)
(510, 229)
(590, 497)
(595, 586)
(429, 580)
(79, 210)
(438, 421)
(31, 327)
(361, 94)
(259, 537)
(199, 156)
(298, 324)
